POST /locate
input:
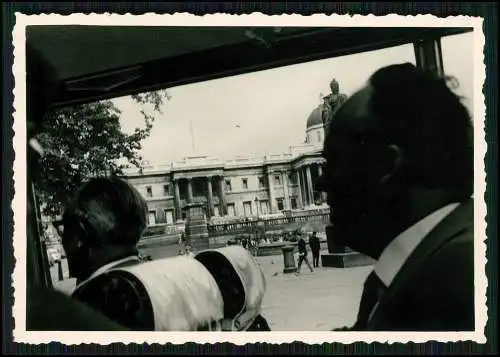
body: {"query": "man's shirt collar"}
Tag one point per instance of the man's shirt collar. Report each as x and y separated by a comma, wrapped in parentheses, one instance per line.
(397, 252)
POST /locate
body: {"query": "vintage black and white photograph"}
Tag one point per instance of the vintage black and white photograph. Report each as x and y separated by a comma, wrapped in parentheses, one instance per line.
(183, 174)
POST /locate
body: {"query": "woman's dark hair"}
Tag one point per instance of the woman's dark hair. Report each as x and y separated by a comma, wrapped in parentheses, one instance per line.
(421, 114)
(106, 211)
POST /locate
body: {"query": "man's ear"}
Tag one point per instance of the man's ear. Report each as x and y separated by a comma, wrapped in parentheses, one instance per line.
(394, 164)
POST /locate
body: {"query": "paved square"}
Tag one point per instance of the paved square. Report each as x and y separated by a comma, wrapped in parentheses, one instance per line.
(318, 301)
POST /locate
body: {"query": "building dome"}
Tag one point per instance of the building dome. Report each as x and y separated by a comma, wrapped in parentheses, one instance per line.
(315, 118)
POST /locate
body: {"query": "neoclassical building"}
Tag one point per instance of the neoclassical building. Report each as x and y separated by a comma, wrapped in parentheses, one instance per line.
(242, 186)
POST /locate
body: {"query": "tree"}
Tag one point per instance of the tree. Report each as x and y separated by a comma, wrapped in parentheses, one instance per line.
(85, 141)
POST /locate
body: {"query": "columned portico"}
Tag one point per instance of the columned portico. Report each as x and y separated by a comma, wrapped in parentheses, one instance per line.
(307, 174)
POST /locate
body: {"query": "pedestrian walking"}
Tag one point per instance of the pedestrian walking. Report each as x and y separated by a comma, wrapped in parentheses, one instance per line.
(315, 245)
(302, 253)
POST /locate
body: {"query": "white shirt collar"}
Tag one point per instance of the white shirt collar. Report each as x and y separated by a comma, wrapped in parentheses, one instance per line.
(397, 252)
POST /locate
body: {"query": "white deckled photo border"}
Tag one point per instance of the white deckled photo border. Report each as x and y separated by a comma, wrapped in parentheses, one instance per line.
(255, 19)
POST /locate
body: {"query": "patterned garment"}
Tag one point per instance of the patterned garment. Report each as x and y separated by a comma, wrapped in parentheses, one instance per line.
(242, 284)
(172, 294)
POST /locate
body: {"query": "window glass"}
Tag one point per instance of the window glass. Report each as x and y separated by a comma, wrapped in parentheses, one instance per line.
(228, 185)
(458, 61)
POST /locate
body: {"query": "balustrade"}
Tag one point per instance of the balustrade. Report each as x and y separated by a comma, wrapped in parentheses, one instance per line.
(216, 229)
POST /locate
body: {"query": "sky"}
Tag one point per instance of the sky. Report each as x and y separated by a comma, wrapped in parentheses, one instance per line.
(266, 112)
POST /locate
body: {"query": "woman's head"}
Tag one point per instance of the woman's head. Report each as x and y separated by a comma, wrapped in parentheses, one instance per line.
(107, 215)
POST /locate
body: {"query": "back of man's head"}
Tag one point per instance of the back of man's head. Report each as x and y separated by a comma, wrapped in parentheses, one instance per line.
(106, 211)
(420, 113)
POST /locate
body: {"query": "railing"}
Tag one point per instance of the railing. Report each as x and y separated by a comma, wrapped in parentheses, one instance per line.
(159, 230)
(240, 225)
(268, 224)
(156, 230)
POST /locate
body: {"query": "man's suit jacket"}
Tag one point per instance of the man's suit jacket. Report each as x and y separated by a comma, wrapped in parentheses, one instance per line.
(315, 244)
(434, 289)
(50, 310)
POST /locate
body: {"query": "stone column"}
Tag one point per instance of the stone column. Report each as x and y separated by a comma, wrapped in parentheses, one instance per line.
(320, 170)
(177, 200)
(304, 187)
(209, 197)
(272, 205)
(190, 190)
(299, 196)
(222, 198)
(285, 190)
(309, 185)
(320, 173)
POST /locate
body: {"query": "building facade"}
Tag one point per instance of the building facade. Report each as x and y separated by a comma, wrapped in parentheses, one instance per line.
(240, 187)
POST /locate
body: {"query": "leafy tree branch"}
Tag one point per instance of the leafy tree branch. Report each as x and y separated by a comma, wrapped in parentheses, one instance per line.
(85, 141)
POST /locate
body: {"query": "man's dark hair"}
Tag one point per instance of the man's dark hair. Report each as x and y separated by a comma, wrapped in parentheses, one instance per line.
(420, 113)
(106, 211)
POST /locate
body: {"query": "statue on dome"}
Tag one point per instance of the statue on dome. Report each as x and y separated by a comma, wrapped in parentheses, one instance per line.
(331, 103)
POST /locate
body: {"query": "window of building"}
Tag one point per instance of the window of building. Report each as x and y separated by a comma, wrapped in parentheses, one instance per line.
(277, 180)
(292, 177)
(216, 211)
(320, 137)
(264, 207)
(228, 186)
(247, 208)
(293, 202)
(280, 204)
(152, 218)
(166, 190)
(231, 211)
(169, 216)
(149, 191)
(245, 183)
(262, 182)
